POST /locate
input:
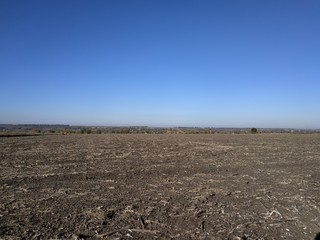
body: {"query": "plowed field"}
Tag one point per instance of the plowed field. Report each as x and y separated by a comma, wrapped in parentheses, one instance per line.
(219, 186)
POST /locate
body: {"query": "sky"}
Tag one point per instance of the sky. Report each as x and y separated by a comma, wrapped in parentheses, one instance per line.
(161, 63)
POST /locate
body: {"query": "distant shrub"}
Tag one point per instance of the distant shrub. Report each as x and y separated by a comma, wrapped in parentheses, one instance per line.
(254, 130)
(35, 130)
(89, 131)
(124, 131)
(99, 131)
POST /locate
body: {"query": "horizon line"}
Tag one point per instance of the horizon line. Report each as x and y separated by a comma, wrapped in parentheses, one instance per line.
(92, 125)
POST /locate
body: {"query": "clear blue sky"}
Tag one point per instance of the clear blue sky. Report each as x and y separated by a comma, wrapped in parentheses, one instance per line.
(161, 63)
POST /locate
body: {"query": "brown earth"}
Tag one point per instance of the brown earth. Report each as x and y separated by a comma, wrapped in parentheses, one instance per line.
(264, 186)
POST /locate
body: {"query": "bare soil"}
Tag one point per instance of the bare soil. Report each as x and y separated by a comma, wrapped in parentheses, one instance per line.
(220, 186)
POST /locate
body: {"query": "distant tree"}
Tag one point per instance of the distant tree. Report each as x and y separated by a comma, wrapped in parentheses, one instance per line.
(254, 130)
(89, 131)
(99, 131)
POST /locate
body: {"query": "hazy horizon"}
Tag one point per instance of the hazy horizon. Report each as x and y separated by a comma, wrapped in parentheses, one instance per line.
(161, 63)
(153, 126)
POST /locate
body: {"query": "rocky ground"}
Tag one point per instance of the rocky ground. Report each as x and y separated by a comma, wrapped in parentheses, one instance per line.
(107, 186)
